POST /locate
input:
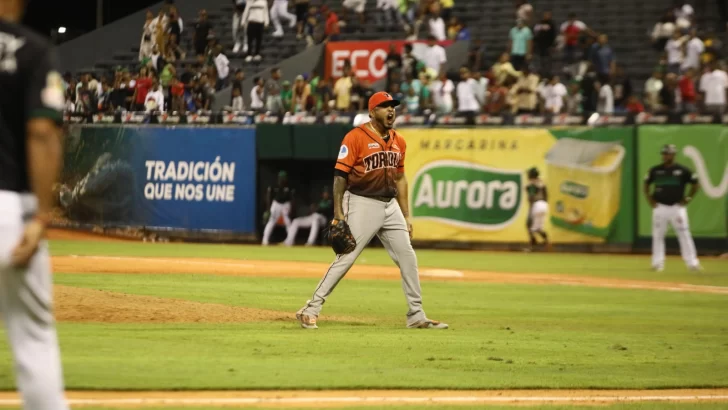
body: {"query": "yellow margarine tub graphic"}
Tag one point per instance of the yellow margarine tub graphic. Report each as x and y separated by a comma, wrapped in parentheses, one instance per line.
(583, 182)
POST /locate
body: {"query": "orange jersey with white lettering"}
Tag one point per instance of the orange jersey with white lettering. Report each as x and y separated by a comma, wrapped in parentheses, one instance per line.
(371, 162)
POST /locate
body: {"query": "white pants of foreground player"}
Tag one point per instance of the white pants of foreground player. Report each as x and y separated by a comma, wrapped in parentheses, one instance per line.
(677, 216)
(25, 304)
(279, 10)
(277, 210)
(368, 217)
(314, 221)
(539, 211)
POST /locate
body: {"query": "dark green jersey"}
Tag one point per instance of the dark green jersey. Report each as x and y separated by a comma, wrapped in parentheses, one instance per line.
(670, 182)
(281, 194)
(536, 191)
(326, 208)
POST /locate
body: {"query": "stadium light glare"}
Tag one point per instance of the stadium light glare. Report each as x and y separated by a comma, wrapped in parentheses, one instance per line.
(61, 30)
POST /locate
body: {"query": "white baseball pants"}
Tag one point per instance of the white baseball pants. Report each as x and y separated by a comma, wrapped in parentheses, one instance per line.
(277, 210)
(314, 221)
(539, 211)
(26, 308)
(677, 216)
(279, 10)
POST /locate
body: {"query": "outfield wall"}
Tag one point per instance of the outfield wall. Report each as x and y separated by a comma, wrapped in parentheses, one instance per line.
(466, 184)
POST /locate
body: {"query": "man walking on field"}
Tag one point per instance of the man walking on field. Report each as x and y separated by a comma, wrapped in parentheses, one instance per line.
(370, 198)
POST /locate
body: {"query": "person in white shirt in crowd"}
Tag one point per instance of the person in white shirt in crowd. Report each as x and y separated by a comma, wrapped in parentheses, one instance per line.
(481, 87)
(156, 59)
(155, 98)
(683, 15)
(468, 104)
(222, 65)
(357, 6)
(663, 30)
(694, 47)
(554, 94)
(387, 12)
(605, 105)
(257, 94)
(522, 95)
(674, 50)
(434, 56)
(441, 90)
(436, 23)
(713, 89)
(652, 89)
(279, 10)
(240, 38)
(255, 19)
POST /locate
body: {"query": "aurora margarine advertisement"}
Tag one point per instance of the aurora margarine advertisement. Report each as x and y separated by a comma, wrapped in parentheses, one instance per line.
(469, 184)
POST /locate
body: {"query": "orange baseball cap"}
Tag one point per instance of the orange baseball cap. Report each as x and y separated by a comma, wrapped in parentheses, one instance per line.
(382, 98)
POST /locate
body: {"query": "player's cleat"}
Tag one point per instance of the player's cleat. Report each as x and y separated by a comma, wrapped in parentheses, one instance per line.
(428, 324)
(307, 321)
(696, 268)
(659, 268)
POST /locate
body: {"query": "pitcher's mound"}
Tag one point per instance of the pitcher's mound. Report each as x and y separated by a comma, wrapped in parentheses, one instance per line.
(89, 305)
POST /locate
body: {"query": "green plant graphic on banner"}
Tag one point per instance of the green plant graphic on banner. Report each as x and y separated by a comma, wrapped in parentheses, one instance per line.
(703, 149)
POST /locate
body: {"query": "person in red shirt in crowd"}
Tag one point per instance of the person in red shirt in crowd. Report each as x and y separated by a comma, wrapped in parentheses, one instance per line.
(177, 90)
(332, 29)
(571, 29)
(634, 106)
(687, 91)
(142, 87)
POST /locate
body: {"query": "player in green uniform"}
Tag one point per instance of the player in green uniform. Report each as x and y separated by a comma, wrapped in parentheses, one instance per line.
(538, 208)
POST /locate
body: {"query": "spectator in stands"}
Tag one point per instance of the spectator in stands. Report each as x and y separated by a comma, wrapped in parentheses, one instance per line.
(426, 102)
(238, 81)
(590, 91)
(468, 104)
(544, 40)
(159, 30)
(688, 96)
(520, 44)
(503, 69)
(332, 29)
(663, 30)
(174, 27)
(683, 13)
(222, 66)
(669, 95)
(118, 94)
(571, 30)
(393, 64)
(342, 90)
(174, 51)
(522, 95)
(713, 88)
(603, 58)
(652, 89)
(202, 31)
(154, 100)
(255, 20)
(694, 47)
(70, 105)
(387, 12)
(156, 60)
(279, 10)
(622, 86)
(177, 92)
(476, 55)
(634, 106)
(239, 38)
(555, 96)
(524, 11)
(357, 6)
(165, 77)
(302, 100)
(410, 64)
(208, 90)
(606, 97)
(434, 56)
(104, 102)
(572, 101)
(301, 8)
(442, 89)
(145, 48)
(411, 102)
(498, 97)
(323, 95)
(314, 29)
(481, 87)
(436, 23)
(713, 48)
(356, 100)
(674, 50)
(274, 103)
(237, 101)
(142, 86)
(286, 95)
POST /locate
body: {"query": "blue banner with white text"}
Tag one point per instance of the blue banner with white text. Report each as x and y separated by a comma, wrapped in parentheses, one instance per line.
(191, 179)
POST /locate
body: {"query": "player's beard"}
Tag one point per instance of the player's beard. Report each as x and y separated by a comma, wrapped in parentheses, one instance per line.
(386, 121)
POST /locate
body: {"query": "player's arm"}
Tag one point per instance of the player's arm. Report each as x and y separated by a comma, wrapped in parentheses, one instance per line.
(44, 105)
(403, 198)
(646, 189)
(694, 186)
(340, 182)
(348, 154)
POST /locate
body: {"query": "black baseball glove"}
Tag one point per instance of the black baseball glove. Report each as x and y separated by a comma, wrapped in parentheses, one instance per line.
(340, 237)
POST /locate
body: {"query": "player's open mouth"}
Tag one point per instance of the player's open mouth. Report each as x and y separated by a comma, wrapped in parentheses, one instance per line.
(390, 117)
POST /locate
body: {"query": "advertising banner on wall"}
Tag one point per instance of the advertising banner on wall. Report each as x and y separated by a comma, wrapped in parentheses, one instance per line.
(195, 179)
(367, 57)
(704, 150)
(469, 184)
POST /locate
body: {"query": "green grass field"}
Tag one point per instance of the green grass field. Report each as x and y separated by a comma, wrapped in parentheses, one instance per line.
(502, 336)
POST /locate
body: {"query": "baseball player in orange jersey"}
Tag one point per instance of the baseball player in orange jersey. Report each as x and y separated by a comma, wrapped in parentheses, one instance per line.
(370, 194)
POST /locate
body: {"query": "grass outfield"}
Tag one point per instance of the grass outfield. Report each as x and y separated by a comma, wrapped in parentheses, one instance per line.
(606, 266)
(502, 336)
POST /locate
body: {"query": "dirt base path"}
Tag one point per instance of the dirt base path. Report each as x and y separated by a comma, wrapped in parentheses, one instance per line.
(346, 398)
(236, 267)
